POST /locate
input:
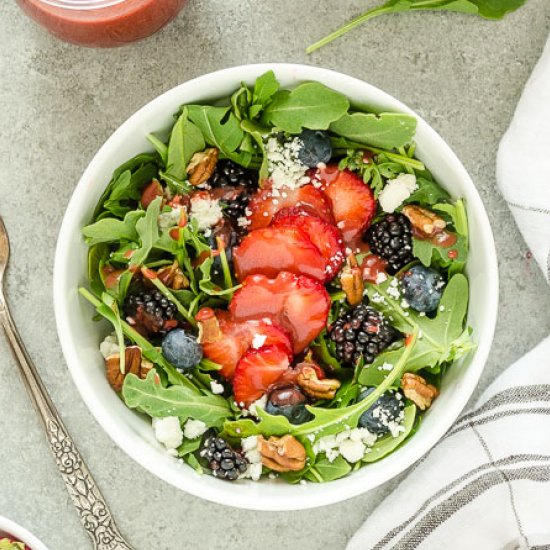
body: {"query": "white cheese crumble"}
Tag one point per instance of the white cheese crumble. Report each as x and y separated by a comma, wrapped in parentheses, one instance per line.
(109, 346)
(396, 191)
(207, 212)
(284, 166)
(166, 220)
(351, 444)
(393, 290)
(380, 278)
(249, 445)
(168, 431)
(258, 341)
(216, 387)
(258, 404)
(194, 428)
(385, 367)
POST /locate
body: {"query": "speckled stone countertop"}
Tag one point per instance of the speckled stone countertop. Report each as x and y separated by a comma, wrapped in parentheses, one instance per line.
(59, 103)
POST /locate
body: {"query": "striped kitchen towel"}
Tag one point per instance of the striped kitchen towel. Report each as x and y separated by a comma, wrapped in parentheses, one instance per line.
(486, 484)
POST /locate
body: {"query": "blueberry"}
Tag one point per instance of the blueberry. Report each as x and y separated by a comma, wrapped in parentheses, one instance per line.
(316, 147)
(386, 408)
(182, 350)
(422, 287)
(290, 402)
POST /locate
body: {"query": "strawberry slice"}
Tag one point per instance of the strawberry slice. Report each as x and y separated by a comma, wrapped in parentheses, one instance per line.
(267, 202)
(324, 236)
(297, 303)
(257, 371)
(270, 250)
(239, 337)
(353, 203)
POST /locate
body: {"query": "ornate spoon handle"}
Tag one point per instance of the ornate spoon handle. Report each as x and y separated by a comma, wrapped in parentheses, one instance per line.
(87, 499)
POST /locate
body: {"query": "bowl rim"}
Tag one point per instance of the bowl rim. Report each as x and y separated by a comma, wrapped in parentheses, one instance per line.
(140, 450)
(20, 533)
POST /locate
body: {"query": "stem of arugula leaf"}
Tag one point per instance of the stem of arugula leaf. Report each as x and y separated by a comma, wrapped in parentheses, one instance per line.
(181, 310)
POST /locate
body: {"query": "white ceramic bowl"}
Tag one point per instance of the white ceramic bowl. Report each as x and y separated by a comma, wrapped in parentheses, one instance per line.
(9, 528)
(80, 336)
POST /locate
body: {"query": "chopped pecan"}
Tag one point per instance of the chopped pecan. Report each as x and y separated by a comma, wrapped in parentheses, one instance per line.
(352, 281)
(418, 390)
(173, 277)
(202, 166)
(134, 363)
(282, 454)
(324, 388)
(424, 222)
(208, 325)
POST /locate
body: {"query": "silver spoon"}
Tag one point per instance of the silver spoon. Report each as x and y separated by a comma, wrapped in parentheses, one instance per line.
(92, 509)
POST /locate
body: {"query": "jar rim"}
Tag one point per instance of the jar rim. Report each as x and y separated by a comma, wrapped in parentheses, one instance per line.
(82, 4)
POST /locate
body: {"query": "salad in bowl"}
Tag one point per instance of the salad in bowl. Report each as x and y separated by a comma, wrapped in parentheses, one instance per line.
(285, 283)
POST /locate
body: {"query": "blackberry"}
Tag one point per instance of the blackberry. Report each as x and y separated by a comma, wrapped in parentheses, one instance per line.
(224, 462)
(362, 331)
(391, 239)
(150, 312)
(233, 185)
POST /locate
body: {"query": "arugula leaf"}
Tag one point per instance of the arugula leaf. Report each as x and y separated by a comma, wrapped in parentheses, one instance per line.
(189, 446)
(150, 397)
(386, 130)
(324, 470)
(219, 126)
(265, 88)
(114, 316)
(97, 255)
(488, 9)
(310, 105)
(108, 230)
(240, 102)
(148, 232)
(160, 147)
(441, 339)
(258, 132)
(185, 140)
(388, 444)
(428, 193)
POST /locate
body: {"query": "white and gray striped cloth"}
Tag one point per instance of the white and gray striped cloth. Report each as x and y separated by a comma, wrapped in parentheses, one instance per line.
(486, 485)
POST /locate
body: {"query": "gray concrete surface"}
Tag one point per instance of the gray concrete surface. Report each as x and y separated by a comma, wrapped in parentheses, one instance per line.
(59, 103)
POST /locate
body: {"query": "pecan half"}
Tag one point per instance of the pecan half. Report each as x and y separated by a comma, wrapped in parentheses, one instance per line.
(352, 281)
(208, 325)
(282, 454)
(308, 380)
(134, 363)
(425, 222)
(173, 277)
(418, 390)
(202, 166)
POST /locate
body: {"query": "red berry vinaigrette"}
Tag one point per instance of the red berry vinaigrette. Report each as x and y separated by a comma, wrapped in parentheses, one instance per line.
(102, 23)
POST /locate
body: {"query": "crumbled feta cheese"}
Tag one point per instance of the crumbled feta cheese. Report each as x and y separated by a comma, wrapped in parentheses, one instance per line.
(168, 431)
(109, 346)
(380, 278)
(258, 341)
(396, 191)
(206, 212)
(377, 298)
(393, 290)
(352, 451)
(258, 404)
(284, 166)
(249, 445)
(243, 221)
(166, 220)
(385, 367)
(194, 428)
(216, 387)
(405, 304)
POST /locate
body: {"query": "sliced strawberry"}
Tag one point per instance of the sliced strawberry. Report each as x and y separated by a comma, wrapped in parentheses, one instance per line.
(239, 337)
(257, 371)
(150, 193)
(353, 203)
(324, 236)
(297, 303)
(228, 350)
(270, 250)
(267, 202)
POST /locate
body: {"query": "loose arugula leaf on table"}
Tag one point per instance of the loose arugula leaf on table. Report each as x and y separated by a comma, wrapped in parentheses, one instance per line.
(310, 105)
(386, 130)
(388, 443)
(488, 9)
(441, 339)
(186, 139)
(152, 398)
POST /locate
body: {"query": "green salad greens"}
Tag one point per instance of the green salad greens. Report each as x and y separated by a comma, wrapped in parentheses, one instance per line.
(284, 283)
